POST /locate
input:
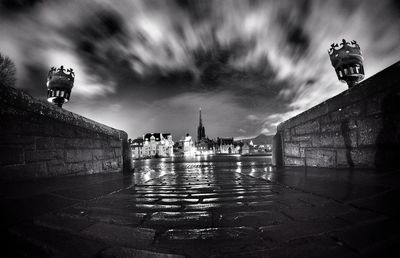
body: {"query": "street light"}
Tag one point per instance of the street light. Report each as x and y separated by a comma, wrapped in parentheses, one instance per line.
(59, 85)
(347, 61)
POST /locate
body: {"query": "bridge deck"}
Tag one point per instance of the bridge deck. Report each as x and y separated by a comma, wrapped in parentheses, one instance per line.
(201, 210)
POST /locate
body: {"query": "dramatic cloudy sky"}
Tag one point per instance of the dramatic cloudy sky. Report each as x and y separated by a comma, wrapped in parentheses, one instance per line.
(148, 65)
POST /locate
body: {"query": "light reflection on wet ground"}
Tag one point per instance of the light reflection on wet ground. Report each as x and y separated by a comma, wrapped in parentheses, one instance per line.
(222, 206)
(175, 171)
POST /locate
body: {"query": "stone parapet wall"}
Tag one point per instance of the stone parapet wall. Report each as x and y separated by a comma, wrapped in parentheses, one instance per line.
(360, 127)
(38, 140)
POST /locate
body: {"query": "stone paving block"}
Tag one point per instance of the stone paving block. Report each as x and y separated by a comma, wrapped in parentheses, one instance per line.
(299, 199)
(210, 234)
(231, 206)
(92, 191)
(156, 207)
(295, 230)
(207, 241)
(14, 210)
(231, 199)
(123, 252)
(165, 195)
(53, 221)
(266, 205)
(328, 210)
(108, 215)
(307, 248)
(249, 219)
(120, 235)
(366, 237)
(57, 243)
(179, 220)
(361, 216)
(382, 203)
(180, 201)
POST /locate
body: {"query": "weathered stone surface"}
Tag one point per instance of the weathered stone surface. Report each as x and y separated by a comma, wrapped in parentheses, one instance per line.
(363, 157)
(11, 156)
(367, 237)
(290, 161)
(294, 230)
(123, 252)
(363, 117)
(320, 158)
(250, 219)
(210, 234)
(56, 243)
(120, 235)
(285, 212)
(63, 223)
(34, 132)
(369, 130)
(191, 219)
(292, 149)
(308, 128)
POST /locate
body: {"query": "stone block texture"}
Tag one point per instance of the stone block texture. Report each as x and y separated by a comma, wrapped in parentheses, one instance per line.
(360, 127)
(39, 140)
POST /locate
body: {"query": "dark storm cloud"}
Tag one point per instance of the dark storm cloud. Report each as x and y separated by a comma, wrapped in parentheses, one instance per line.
(17, 5)
(152, 64)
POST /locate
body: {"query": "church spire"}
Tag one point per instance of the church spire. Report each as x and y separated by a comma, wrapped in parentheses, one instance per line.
(200, 120)
(201, 132)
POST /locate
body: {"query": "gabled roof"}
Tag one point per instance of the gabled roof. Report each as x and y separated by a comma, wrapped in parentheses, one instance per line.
(157, 136)
(137, 142)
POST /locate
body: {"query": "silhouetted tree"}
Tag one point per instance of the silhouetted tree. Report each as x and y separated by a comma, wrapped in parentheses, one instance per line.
(7, 71)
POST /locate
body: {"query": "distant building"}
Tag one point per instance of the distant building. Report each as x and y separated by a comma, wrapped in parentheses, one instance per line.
(157, 145)
(137, 148)
(188, 146)
(245, 148)
(226, 146)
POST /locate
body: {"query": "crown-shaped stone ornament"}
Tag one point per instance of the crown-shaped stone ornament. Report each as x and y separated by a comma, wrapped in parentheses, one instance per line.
(347, 60)
(59, 84)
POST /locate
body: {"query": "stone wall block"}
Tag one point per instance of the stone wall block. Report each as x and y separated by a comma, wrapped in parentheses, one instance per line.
(292, 149)
(305, 144)
(343, 158)
(302, 138)
(73, 168)
(291, 161)
(363, 157)
(369, 130)
(78, 155)
(11, 155)
(115, 143)
(332, 127)
(321, 157)
(117, 152)
(374, 104)
(56, 167)
(110, 164)
(308, 128)
(45, 143)
(43, 155)
(16, 140)
(325, 119)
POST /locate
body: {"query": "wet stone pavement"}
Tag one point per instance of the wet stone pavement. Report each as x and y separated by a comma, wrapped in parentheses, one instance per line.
(205, 207)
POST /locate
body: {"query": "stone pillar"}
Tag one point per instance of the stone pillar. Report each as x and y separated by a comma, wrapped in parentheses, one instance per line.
(277, 150)
(126, 153)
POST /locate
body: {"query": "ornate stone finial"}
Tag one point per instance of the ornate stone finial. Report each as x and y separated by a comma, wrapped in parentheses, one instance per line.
(59, 85)
(347, 61)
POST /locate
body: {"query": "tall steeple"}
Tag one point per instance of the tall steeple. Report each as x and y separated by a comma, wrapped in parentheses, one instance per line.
(201, 132)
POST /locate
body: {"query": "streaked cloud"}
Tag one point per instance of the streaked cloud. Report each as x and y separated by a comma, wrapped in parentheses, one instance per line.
(249, 64)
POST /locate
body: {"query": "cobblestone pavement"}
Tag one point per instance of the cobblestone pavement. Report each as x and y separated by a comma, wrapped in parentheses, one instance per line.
(228, 207)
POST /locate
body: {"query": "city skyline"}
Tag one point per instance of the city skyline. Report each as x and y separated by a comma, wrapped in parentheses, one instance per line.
(145, 66)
